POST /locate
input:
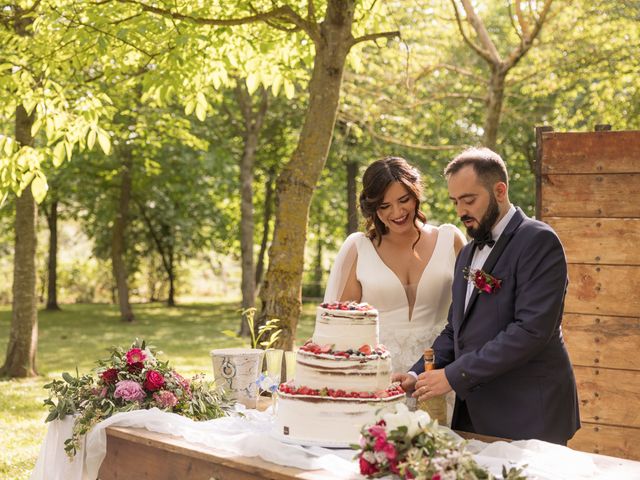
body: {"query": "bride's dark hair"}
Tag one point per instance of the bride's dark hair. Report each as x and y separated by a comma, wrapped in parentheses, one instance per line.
(375, 181)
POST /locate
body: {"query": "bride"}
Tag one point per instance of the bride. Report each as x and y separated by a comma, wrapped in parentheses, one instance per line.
(400, 265)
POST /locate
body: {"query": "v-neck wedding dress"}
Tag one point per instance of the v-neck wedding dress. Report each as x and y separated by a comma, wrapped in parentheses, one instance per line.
(404, 330)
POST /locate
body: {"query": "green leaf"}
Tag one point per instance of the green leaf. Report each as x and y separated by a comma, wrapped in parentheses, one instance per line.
(91, 139)
(104, 141)
(253, 82)
(289, 89)
(58, 154)
(68, 378)
(201, 111)
(39, 188)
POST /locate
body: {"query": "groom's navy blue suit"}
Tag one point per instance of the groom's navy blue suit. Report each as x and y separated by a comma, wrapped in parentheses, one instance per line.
(505, 357)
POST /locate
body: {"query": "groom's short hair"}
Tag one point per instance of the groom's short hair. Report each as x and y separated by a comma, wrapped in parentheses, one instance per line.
(488, 165)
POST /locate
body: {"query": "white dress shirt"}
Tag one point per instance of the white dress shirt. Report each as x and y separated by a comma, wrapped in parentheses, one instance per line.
(480, 256)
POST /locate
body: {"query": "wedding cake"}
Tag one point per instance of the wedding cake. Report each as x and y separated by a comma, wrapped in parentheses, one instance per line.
(342, 379)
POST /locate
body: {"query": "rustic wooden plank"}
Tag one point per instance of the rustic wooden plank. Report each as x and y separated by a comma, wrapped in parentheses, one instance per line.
(139, 453)
(611, 241)
(603, 290)
(591, 152)
(610, 195)
(602, 341)
(622, 442)
(608, 396)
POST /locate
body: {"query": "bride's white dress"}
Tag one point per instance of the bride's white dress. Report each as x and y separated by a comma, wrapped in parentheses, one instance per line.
(405, 329)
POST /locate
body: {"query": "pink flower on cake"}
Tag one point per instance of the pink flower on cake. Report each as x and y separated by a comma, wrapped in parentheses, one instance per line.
(154, 381)
(165, 399)
(129, 391)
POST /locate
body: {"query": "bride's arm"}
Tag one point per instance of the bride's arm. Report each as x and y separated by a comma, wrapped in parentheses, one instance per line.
(342, 282)
(352, 289)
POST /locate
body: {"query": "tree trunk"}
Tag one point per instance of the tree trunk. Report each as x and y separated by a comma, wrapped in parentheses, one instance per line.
(495, 96)
(318, 270)
(23, 337)
(171, 299)
(52, 268)
(281, 292)
(266, 220)
(252, 124)
(118, 239)
(352, 201)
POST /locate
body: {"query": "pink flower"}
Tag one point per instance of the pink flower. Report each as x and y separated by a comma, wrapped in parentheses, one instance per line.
(129, 391)
(390, 451)
(367, 468)
(135, 355)
(154, 381)
(165, 399)
(378, 432)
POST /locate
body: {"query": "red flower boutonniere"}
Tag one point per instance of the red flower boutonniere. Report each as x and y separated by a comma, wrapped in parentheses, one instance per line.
(483, 281)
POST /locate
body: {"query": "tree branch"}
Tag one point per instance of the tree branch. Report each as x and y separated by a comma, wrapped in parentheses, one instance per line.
(375, 36)
(528, 39)
(479, 50)
(483, 35)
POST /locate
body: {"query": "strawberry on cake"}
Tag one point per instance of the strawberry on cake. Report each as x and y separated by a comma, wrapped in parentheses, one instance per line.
(342, 379)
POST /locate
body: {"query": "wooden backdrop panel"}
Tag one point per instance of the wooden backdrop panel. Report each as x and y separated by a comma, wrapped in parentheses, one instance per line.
(599, 240)
(606, 440)
(608, 396)
(591, 195)
(603, 290)
(601, 341)
(591, 152)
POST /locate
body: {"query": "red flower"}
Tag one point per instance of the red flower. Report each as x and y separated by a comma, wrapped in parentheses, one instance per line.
(109, 376)
(483, 281)
(154, 381)
(390, 451)
(367, 468)
(135, 356)
(436, 476)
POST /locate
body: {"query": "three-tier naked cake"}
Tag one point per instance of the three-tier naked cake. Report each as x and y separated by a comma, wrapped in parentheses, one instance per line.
(342, 379)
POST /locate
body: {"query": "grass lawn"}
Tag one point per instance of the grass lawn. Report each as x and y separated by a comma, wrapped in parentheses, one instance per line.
(81, 334)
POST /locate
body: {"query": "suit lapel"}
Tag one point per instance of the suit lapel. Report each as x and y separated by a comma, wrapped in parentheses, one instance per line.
(495, 254)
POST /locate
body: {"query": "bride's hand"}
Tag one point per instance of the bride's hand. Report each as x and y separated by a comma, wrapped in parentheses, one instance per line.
(407, 382)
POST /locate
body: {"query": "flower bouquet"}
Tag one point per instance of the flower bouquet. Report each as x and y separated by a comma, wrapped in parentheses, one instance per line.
(410, 445)
(131, 379)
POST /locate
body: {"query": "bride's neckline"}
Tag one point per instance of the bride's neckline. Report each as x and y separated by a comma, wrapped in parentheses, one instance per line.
(406, 288)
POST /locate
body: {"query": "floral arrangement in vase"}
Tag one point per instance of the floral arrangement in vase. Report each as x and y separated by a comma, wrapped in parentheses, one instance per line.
(130, 379)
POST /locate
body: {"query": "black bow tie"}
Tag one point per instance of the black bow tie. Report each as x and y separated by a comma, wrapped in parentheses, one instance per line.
(484, 240)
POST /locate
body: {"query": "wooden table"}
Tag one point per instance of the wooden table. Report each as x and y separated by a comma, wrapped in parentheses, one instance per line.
(135, 453)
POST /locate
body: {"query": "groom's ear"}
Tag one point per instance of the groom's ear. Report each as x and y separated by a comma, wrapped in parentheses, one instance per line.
(500, 191)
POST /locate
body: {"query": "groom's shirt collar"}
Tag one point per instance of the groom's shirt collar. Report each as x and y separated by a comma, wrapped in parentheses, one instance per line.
(499, 227)
(480, 256)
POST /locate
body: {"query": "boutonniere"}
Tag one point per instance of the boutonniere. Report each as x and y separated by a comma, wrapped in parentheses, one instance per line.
(483, 281)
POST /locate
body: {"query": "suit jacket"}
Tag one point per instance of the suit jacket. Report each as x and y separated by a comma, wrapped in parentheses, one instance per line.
(505, 356)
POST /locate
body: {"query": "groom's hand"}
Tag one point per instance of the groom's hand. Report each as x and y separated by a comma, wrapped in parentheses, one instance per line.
(431, 383)
(407, 381)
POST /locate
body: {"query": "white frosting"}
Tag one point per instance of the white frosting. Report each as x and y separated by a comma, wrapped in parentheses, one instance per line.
(328, 421)
(357, 374)
(345, 329)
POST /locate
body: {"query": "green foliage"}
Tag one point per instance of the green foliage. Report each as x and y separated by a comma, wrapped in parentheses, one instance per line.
(269, 327)
(95, 397)
(79, 333)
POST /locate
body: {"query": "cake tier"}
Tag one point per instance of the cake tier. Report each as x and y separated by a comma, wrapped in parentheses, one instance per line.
(356, 373)
(346, 326)
(331, 422)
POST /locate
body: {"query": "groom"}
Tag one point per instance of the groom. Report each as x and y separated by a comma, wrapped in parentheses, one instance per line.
(502, 350)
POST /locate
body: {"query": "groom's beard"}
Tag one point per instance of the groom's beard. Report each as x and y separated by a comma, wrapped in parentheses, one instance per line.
(486, 222)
